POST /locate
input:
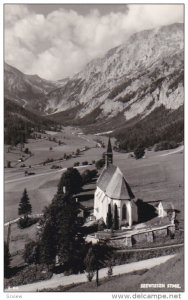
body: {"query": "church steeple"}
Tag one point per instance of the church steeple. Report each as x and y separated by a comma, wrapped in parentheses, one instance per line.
(109, 154)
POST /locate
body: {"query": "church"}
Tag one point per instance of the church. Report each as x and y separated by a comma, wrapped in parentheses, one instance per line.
(113, 189)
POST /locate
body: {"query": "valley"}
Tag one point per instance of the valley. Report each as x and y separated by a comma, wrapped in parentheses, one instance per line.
(157, 177)
(134, 94)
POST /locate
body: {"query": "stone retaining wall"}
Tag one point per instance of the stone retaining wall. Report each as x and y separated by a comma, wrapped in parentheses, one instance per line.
(148, 235)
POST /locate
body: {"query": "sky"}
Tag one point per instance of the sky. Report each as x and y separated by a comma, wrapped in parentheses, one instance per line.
(57, 41)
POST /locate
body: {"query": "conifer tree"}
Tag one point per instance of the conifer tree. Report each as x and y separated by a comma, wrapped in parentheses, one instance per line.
(7, 259)
(60, 234)
(25, 207)
(116, 219)
(109, 221)
(90, 263)
(70, 242)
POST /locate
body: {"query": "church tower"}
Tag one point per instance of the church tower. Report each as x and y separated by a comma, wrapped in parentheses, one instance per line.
(109, 154)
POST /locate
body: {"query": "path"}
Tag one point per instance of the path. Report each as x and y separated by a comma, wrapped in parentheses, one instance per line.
(179, 149)
(16, 220)
(60, 279)
(41, 174)
(151, 248)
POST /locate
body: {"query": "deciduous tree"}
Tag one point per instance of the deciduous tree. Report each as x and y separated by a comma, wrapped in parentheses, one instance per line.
(71, 180)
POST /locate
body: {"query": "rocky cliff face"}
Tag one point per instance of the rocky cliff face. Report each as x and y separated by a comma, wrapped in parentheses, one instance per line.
(28, 90)
(147, 71)
(134, 78)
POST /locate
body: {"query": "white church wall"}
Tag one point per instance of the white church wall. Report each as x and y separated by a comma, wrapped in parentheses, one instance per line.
(134, 212)
(129, 213)
(97, 204)
(101, 202)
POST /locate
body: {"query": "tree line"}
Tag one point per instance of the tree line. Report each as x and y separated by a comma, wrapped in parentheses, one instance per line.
(160, 125)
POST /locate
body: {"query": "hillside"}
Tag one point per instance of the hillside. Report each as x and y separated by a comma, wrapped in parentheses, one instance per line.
(19, 122)
(133, 79)
(135, 90)
(28, 90)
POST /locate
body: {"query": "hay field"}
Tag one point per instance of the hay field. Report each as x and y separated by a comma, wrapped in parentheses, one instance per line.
(157, 177)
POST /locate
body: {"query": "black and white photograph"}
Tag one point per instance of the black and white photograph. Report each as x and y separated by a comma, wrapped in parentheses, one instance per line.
(93, 148)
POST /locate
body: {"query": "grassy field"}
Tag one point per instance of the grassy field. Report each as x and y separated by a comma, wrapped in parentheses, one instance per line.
(19, 237)
(154, 178)
(157, 177)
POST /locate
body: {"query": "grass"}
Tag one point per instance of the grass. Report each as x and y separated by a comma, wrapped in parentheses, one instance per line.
(19, 237)
(169, 272)
(152, 179)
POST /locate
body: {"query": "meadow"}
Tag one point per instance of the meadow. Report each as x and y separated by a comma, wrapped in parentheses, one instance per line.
(157, 177)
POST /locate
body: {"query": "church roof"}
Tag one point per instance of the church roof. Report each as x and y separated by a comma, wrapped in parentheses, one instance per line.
(105, 177)
(113, 183)
(118, 187)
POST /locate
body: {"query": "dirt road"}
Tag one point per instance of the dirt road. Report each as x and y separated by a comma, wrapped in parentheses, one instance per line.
(60, 279)
(179, 149)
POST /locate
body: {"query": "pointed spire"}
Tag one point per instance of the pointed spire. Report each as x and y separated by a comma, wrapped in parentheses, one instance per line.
(109, 154)
(109, 148)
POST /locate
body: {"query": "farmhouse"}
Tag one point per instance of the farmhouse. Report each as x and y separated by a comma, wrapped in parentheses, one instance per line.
(113, 190)
(165, 208)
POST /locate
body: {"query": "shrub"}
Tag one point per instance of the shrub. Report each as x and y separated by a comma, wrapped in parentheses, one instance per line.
(26, 221)
(31, 253)
(90, 276)
(55, 167)
(88, 175)
(30, 274)
(26, 150)
(110, 271)
(101, 225)
(77, 152)
(165, 145)
(9, 164)
(76, 164)
(100, 163)
(139, 152)
(48, 160)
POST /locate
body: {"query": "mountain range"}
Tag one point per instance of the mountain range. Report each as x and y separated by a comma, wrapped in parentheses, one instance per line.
(130, 82)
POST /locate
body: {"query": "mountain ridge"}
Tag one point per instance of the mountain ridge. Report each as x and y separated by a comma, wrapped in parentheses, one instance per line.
(91, 87)
(131, 80)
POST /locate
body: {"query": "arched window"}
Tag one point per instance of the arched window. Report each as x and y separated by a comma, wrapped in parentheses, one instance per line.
(124, 212)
